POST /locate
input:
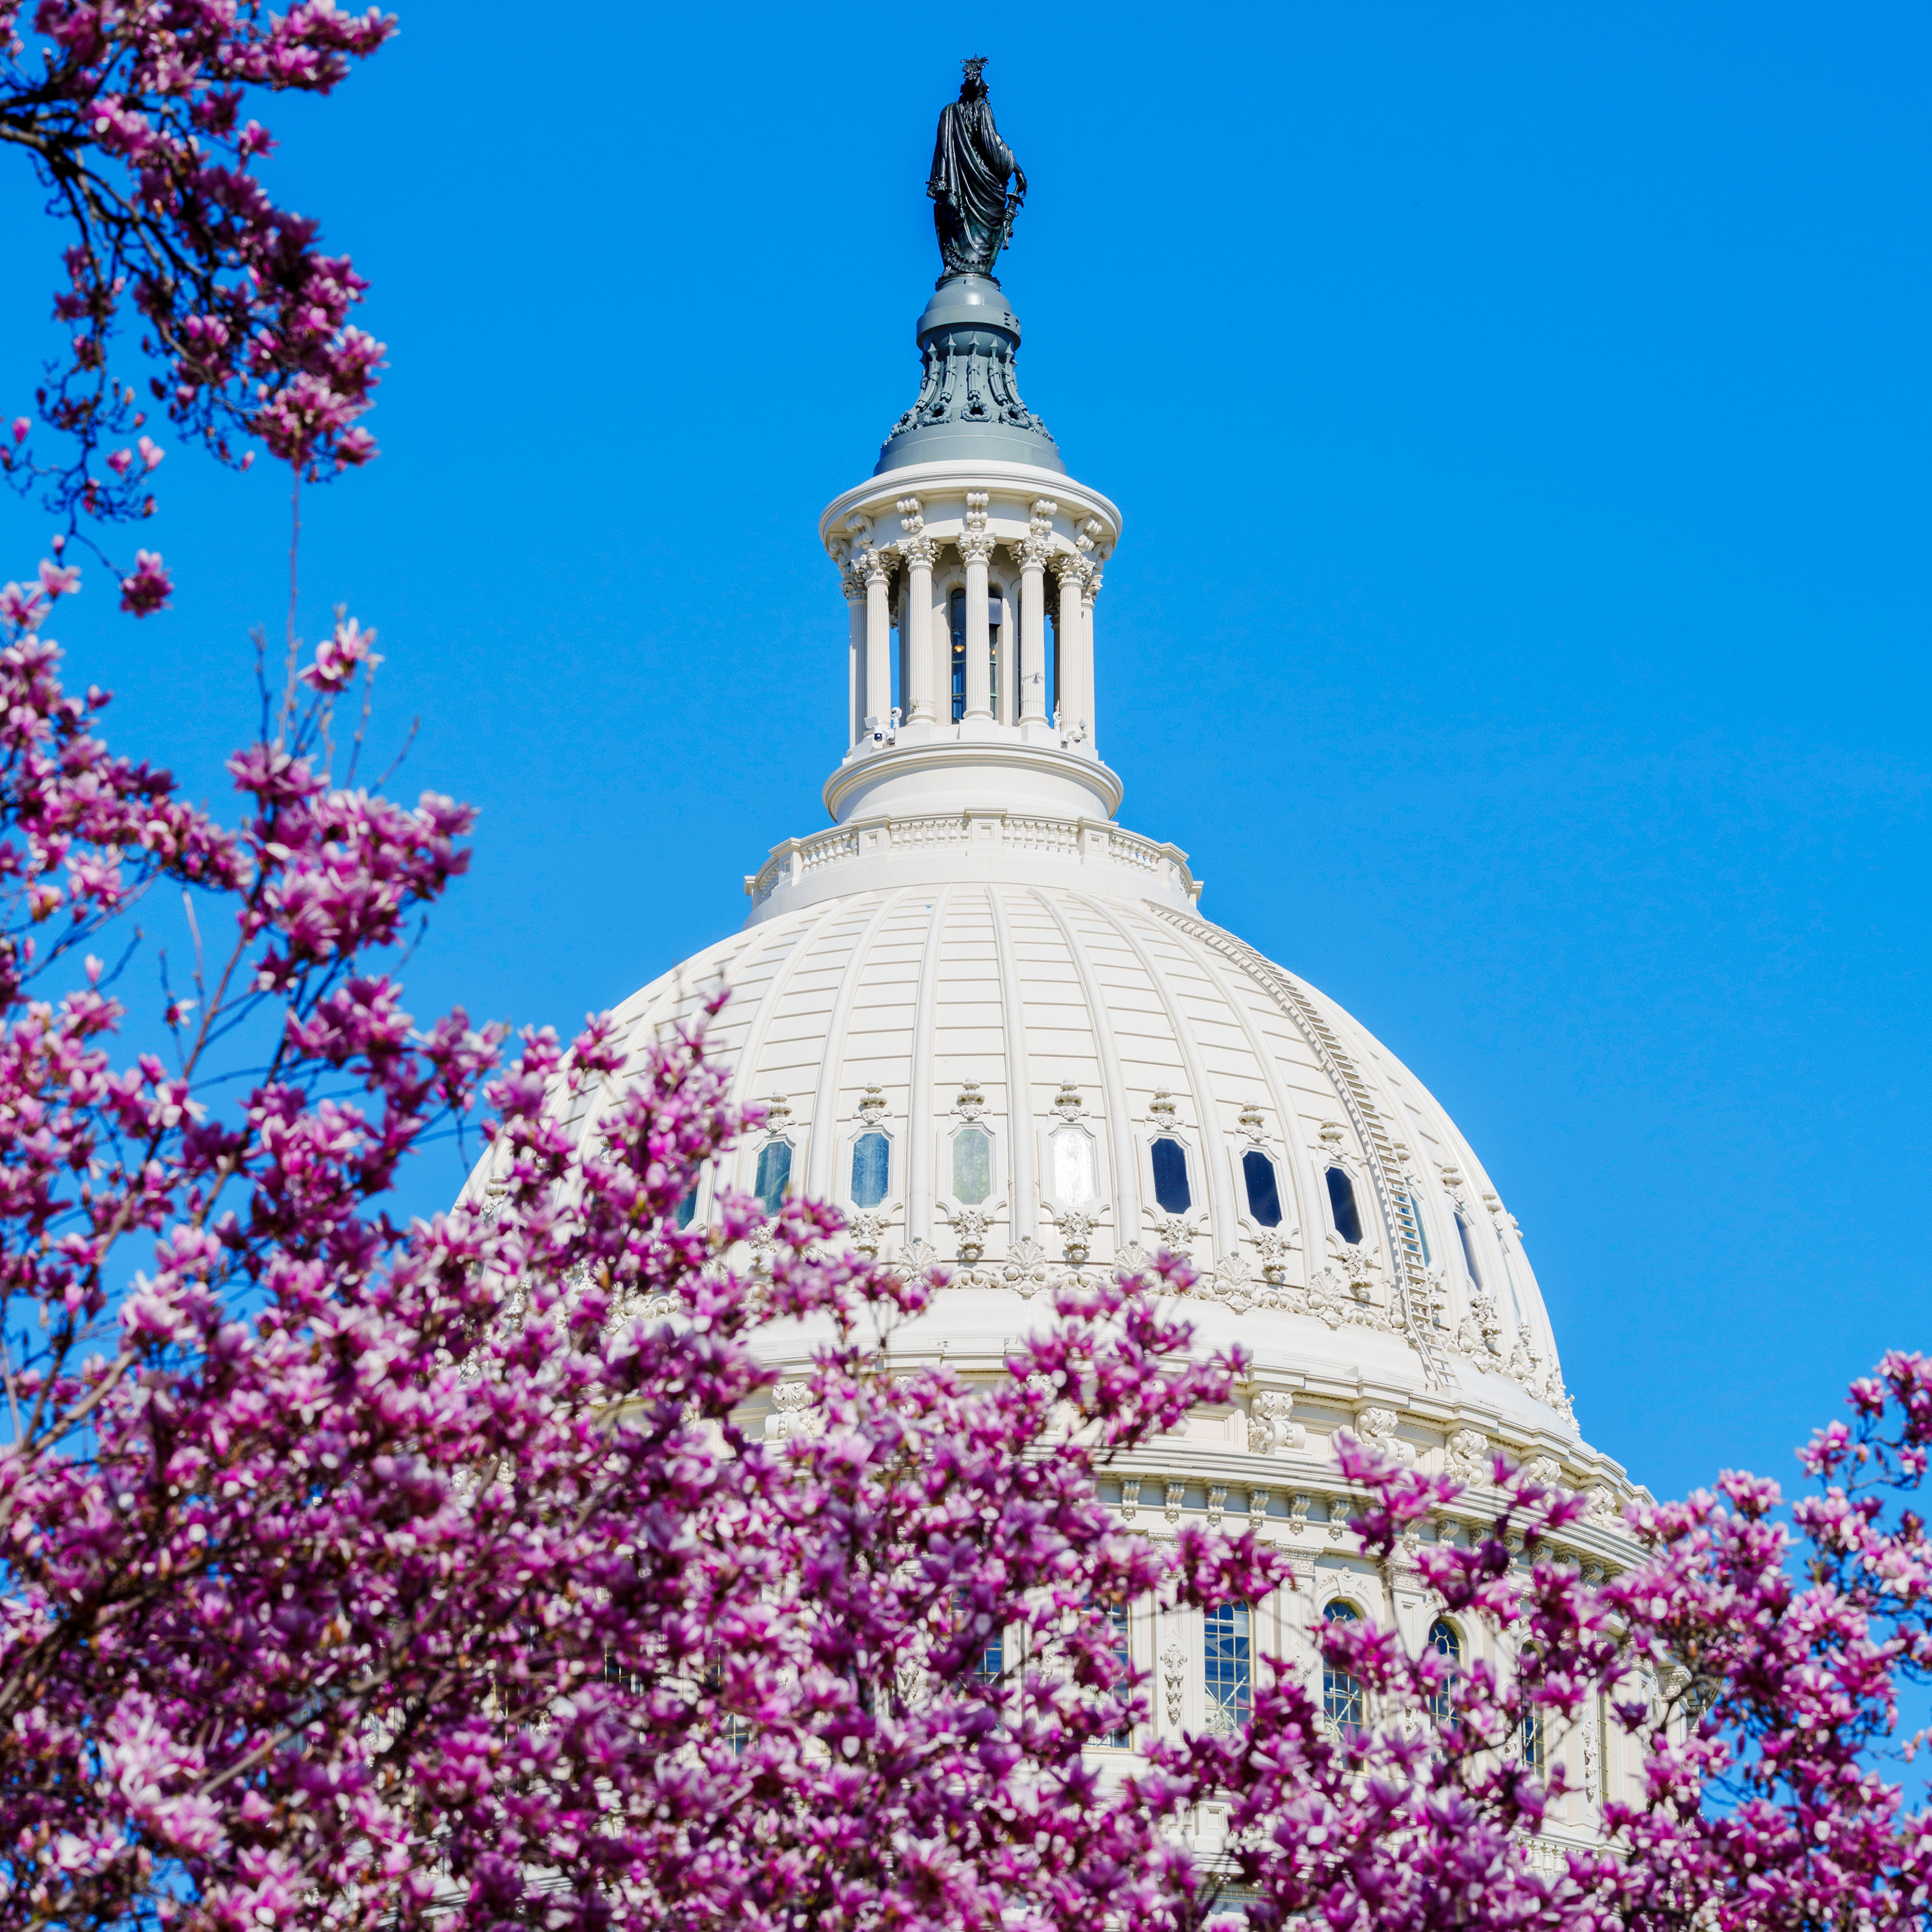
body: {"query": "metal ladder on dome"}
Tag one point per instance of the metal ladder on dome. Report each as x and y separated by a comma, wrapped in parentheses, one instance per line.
(1385, 1153)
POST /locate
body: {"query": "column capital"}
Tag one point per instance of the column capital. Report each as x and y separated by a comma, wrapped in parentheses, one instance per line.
(1067, 563)
(1091, 589)
(920, 552)
(976, 546)
(872, 566)
(852, 583)
(1031, 553)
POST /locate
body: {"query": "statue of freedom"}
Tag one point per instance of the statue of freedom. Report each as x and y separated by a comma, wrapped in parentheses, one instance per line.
(971, 209)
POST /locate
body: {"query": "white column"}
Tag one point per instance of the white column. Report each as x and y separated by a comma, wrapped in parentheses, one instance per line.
(855, 667)
(872, 567)
(916, 650)
(975, 546)
(1033, 631)
(1089, 591)
(1071, 569)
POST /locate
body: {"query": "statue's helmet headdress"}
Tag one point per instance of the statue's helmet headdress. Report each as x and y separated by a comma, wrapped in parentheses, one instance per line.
(975, 81)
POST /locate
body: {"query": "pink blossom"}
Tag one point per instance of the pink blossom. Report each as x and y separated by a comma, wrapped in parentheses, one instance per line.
(336, 656)
(149, 588)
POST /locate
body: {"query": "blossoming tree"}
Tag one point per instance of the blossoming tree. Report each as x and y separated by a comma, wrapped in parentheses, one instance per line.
(360, 1573)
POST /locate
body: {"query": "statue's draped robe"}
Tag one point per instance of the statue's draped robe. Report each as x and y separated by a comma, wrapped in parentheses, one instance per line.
(970, 165)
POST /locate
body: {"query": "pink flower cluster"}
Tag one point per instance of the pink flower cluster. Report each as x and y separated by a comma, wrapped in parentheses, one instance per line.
(363, 1575)
(133, 117)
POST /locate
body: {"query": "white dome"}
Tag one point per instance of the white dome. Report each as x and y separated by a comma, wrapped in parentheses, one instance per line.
(989, 1024)
(1034, 1009)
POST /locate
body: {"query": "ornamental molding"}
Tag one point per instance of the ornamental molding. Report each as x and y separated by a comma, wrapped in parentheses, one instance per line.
(1375, 1428)
(1174, 1669)
(1272, 1426)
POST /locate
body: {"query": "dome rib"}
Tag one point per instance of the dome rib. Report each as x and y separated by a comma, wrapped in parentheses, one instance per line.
(1126, 1175)
(919, 1208)
(823, 1125)
(1023, 1218)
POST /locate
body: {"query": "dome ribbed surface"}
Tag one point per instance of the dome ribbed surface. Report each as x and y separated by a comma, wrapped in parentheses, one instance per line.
(1044, 1007)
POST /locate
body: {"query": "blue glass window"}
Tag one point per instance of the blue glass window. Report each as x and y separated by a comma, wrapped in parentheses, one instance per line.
(872, 1168)
(1448, 1646)
(1170, 1177)
(1230, 1665)
(1123, 1656)
(774, 1171)
(686, 1208)
(972, 1165)
(1469, 1251)
(1532, 1742)
(1341, 1701)
(1263, 1196)
(1341, 1198)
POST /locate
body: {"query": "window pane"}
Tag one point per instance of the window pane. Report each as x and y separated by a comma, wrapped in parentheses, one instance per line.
(1341, 1198)
(1230, 1665)
(686, 1208)
(1170, 1177)
(1469, 1251)
(1117, 1618)
(990, 1662)
(1448, 1646)
(872, 1164)
(1072, 1167)
(774, 1171)
(1342, 1700)
(1264, 1196)
(956, 612)
(972, 1165)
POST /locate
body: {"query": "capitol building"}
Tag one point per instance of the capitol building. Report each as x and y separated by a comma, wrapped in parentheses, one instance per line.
(1000, 1031)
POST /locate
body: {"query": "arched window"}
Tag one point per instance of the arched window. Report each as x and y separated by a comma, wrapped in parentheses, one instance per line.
(956, 612)
(1071, 1166)
(686, 1208)
(1263, 1194)
(1230, 1665)
(1468, 1252)
(972, 1166)
(774, 1172)
(871, 1169)
(1341, 1198)
(1170, 1177)
(1448, 1646)
(1342, 1703)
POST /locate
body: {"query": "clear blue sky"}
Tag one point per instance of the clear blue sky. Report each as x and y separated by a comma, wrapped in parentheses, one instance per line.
(1520, 419)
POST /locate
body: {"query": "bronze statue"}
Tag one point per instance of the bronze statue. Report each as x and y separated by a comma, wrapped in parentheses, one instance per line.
(971, 209)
